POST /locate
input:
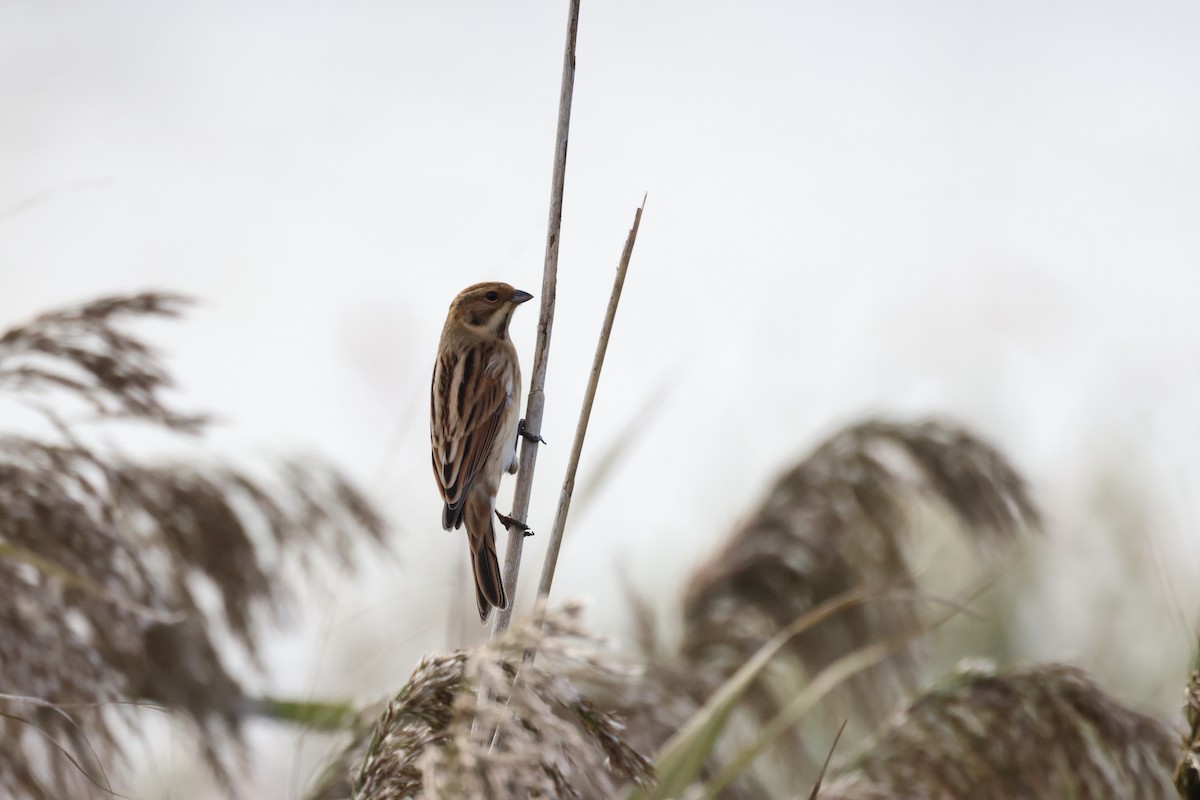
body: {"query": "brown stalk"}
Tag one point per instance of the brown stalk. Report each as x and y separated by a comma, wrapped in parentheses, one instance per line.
(537, 384)
(828, 757)
(585, 413)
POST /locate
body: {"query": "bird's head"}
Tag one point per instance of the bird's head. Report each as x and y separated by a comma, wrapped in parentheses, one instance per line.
(487, 306)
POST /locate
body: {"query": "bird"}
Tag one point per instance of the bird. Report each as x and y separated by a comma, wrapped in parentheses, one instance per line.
(473, 423)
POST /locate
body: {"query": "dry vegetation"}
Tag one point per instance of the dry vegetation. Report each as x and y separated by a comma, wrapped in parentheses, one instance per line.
(120, 578)
(125, 582)
(838, 521)
(835, 523)
(1187, 771)
(1048, 731)
(537, 733)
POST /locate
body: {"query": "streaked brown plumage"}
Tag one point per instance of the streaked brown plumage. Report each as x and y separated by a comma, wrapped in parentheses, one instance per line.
(474, 410)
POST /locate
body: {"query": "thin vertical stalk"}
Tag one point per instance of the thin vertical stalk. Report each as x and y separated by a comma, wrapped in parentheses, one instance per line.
(537, 383)
(585, 413)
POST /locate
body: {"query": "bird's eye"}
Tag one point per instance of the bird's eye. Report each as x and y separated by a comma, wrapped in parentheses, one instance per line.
(492, 297)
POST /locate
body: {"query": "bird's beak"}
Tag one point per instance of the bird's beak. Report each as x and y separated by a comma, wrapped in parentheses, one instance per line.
(520, 297)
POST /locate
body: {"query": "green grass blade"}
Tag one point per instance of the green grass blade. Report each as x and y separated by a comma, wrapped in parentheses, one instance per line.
(825, 682)
(683, 756)
(316, 714)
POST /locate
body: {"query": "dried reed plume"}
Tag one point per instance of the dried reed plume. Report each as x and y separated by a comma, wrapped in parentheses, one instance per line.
(1046, 732)
(832, 525)
(1187, 771)
(837, 522)
(537, 733)
(120, 578)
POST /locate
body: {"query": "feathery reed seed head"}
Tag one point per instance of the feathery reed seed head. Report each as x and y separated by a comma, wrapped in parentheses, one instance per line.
(835, 522)
(537, 733)
(1044, 732)
(103, 560)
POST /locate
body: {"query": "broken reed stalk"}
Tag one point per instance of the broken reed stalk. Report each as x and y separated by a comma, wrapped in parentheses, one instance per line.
(537, 395)
(585, 413)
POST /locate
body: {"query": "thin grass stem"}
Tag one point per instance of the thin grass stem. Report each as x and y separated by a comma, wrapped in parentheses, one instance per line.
(585, 413)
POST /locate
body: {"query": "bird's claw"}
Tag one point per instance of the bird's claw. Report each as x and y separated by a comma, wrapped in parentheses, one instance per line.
(510, 523)
(526, 435)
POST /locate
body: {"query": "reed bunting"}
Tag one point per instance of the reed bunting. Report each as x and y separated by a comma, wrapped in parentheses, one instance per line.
(474, 411)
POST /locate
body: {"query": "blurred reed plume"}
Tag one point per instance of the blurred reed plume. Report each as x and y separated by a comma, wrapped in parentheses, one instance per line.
(834, 525)
(538, 733)
(121, 579)
(836, 522)
(829, 532)
(1044, 732)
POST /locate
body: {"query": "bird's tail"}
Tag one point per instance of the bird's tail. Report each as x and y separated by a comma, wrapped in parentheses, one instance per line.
(489, 585)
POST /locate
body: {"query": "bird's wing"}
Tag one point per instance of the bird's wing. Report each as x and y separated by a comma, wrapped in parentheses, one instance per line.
(467, 403)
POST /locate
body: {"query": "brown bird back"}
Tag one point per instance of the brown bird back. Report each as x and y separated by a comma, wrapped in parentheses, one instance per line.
(473, 423)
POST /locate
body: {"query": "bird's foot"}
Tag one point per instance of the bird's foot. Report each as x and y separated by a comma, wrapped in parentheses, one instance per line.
(526, 435)
(510, 523)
